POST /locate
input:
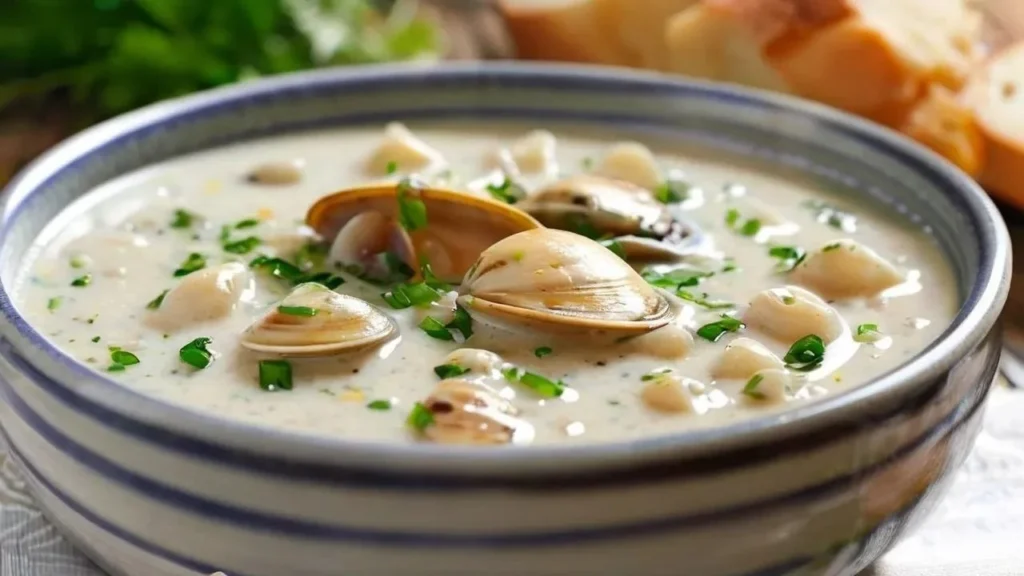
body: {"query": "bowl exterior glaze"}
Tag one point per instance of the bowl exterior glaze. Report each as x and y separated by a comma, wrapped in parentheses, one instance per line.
(148, 488)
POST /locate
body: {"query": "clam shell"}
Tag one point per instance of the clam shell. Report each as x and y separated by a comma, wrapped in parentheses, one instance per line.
(594, 205)
(557, 281)
(467, 412)
(459, 226)
(340, 324)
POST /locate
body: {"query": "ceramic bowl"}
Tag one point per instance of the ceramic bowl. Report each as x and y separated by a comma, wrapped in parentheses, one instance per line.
(825, 488)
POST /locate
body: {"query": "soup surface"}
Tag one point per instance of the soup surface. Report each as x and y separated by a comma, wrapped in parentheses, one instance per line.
(190, 281)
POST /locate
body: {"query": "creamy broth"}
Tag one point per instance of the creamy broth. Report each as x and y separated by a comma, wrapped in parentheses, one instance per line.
(91, 284)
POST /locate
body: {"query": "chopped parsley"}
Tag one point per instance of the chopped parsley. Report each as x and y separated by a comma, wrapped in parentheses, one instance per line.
(275, 375)
(196, 354)
(54, 303)
(82, 281)
(615, 246)
(123, 357)
(391, 168)
(789, 257)
(304, 311)
(672, 191)
(445, 371)
(825, 213)
(420, 417)
(732, 216)
(155, 303)
(543, 386)
(95, 339)
(655, 374)
(867, 333)
(243, 246)
(715, 330)
(750, 389)
(508, 191)
(412, 212)
(379, 405)
(542, 351)
(183, 219)
(805, 354)
(750, 227)
(435, 329)
(195, 261)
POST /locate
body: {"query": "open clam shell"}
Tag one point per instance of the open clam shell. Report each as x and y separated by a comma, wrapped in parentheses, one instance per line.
(557, 281)
(596, 206)
(313, 320)
(459, 226)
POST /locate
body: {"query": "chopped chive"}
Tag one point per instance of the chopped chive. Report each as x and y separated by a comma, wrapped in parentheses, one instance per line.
(380, 405)
(789, 257)
(182, 219)
(412, 212)
(462, 322)
(417, 294)
(115, 367)
(805, 354)
(615, 246)
(542, 351)
(751, 227)
(54, 303)
(715, 330)
(305, 311)
(95, 339)
(539, 384)
(508, 191)
(429, 278)
(420, 417)
(82, 281)
(703, 300)
(788, 300)
(123, 357)
(196, 354)
(435, 329)
(445, 371)
(311, 256)
(672, 191)
(247, 223)
(750, 389)
(156, 302)
(195, 261)
(243, 246)
(732, 216)
(831, 247)
(392, 167)
(729, 267)
(275, 375)
(655, 374)
(675, 279)
(867, 333)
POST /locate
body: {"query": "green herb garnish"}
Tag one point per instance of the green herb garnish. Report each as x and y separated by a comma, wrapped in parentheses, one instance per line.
(182, 219)
(54, 303)
(115, 367)
(581, 224)
(789, 257)
(417, 294)
(750, 389)
(805, 354)
(867, 333)
(435, 329)
(391, 168)
(715, 330)
(82, 281)
(311, 256)
(542, 351)
(831, 247)
(672, 191)
(751, 227)
(275, 375)
(195, 261)
(655, 374)
(539, 384)
(304, 311)
(123, 357)
(615, 246)
(243, 246)
(461, 322)
(508, 191)
(156, 302)
(95, 339)
(195, 353)
(429, 278)
(732, 216)
(380, 405)
(675, 279)
(703, 300)
(247, 223)
(420, 417)
(412, 212)
(788, 300)
(445, 371)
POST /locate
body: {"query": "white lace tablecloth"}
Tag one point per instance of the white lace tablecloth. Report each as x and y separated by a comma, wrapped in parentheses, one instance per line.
(977, 531)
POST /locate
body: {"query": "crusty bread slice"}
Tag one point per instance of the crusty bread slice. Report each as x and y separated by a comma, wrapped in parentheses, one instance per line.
(996, 95)
(563, 30)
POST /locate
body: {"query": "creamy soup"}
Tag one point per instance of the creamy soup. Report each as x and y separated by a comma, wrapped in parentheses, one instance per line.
(422, 304)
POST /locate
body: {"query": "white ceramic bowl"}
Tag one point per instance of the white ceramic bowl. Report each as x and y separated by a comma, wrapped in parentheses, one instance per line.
(150, 489)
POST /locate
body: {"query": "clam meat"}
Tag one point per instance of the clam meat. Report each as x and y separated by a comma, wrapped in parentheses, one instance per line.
(466, 412)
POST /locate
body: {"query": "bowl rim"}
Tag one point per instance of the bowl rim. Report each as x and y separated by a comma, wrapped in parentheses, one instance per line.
(975, 320)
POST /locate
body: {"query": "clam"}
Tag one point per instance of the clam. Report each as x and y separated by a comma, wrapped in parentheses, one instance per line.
(364, 223)
(556, 281)
(597, 206)
(466, 412)
(313, 320)
(207, 294)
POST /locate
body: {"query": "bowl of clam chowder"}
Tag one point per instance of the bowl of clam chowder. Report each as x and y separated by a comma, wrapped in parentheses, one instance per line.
(502, 319)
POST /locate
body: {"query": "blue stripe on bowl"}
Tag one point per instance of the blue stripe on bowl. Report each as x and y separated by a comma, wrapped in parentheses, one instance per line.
(196, 109)
(215, 511)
